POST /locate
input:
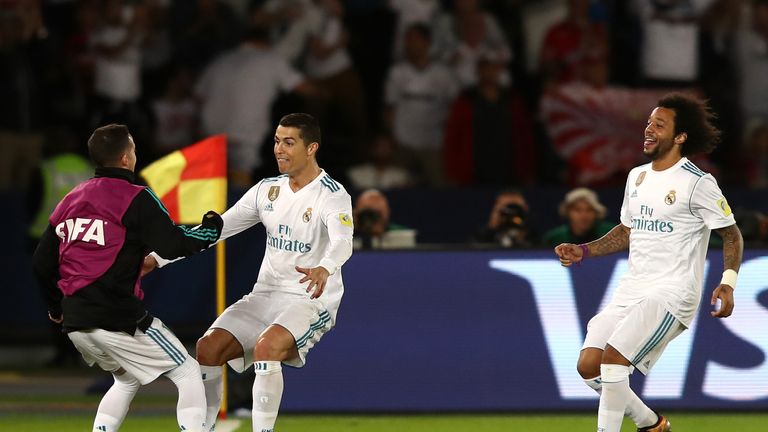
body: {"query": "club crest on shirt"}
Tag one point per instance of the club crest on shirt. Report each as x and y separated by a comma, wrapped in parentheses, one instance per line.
(640, 178)
(722, 204)
(274, 192)
(307, 215)
(670, 198)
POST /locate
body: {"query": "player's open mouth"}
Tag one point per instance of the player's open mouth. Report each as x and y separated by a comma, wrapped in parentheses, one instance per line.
(649, 142)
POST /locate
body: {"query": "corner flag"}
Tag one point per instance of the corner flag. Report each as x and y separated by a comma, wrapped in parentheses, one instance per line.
(192, 180)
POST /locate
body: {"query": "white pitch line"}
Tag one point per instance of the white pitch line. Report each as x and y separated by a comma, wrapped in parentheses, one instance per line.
(227, 425)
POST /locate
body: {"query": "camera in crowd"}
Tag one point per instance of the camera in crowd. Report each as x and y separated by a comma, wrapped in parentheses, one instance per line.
(512, 230)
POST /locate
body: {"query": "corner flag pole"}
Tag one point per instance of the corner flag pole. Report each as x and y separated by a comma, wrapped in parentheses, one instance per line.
(221, 304)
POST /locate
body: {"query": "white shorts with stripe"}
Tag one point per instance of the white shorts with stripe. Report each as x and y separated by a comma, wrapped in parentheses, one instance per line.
(639, 332)
(306, 319)
(145, 355)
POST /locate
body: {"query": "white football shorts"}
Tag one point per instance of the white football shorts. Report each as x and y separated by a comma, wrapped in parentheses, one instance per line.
(304, 318)
(145, 355)
(639, 332)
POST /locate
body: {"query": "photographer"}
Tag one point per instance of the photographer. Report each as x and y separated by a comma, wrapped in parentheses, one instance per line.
(373, 229)
(509, 225)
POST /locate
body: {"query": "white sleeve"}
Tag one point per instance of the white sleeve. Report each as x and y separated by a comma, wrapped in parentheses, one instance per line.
(624, 216)
(241, 216)
(709, 204)
(337, 218)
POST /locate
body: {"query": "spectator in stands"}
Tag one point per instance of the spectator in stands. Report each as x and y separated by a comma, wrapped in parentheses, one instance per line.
(117, 75)
(156, 48)
(290, 23)
(341, 109)
(570, 42)
(583, 214)
(509, 225)
(237, 92)
(373, 227)
(466, 34)
(489, 133)
(410, 12)
(203, 29)
(418, 95)
(757, 165)
(20, 145)
(752, 66)
(175, 114)
(670, 46)
(380, 171)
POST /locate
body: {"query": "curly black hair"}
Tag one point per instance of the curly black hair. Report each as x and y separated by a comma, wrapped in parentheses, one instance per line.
(693, 117)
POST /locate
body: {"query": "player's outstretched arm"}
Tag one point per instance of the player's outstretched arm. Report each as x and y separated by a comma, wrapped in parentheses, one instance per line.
(615, 240)
(733, 249)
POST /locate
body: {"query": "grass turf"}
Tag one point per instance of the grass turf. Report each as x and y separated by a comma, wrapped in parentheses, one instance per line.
(698, 422)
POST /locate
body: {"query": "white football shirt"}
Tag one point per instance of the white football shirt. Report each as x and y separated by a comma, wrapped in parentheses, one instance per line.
(308, 228)
(671, 214)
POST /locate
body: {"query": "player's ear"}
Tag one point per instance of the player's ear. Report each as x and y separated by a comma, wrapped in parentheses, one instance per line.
(681, 137)
(312, 148)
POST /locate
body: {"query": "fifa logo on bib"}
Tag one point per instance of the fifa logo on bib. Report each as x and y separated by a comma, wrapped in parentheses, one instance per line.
(82, 229)
(670, 198)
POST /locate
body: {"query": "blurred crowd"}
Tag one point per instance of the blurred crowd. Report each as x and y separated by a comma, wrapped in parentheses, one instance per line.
(409, 92)
(434, 93)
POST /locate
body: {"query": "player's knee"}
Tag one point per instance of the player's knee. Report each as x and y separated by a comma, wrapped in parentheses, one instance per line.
(267, 349)
(207, 353)
(588, 365)
(588, 369)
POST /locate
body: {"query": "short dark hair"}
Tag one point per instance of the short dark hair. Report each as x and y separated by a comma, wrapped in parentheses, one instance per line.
(108, 143)
(308, 126)
(421, 29)
(693, 117)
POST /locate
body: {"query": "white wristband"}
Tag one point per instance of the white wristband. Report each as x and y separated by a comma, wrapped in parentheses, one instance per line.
(729, 278)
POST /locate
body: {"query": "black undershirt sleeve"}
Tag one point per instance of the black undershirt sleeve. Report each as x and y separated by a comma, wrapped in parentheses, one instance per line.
(45, 263)
(149, 218)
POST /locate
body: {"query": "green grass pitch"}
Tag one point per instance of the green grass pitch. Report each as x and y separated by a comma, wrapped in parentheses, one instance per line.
(681, 422)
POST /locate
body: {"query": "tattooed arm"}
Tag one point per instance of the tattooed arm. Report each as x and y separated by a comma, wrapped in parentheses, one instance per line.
(616, 240)
(733, 248)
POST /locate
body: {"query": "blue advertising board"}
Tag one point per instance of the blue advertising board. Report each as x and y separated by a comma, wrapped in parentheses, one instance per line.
(434, 331)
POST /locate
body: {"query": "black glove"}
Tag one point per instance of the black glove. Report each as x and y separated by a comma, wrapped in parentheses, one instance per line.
(213, 220)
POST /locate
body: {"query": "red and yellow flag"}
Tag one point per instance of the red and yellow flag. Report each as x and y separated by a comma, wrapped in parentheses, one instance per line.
(192, 180)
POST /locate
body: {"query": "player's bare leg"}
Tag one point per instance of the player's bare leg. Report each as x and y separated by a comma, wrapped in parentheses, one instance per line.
(275, 345)
(213, 350)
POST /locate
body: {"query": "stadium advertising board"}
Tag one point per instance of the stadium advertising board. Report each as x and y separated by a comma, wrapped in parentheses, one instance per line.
(432, 331)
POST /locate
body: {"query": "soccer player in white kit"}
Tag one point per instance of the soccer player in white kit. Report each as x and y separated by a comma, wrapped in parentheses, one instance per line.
(670, 207)
(308, 220)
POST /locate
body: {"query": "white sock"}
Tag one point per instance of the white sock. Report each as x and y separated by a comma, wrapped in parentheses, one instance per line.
(214, 390)
(190, 410)
(613, 399)
(267, 392)
(595, 384)
(115, 403)
(636, 409)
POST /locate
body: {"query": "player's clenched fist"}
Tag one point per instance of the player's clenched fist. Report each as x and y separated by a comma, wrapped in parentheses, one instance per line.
(569, 253)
